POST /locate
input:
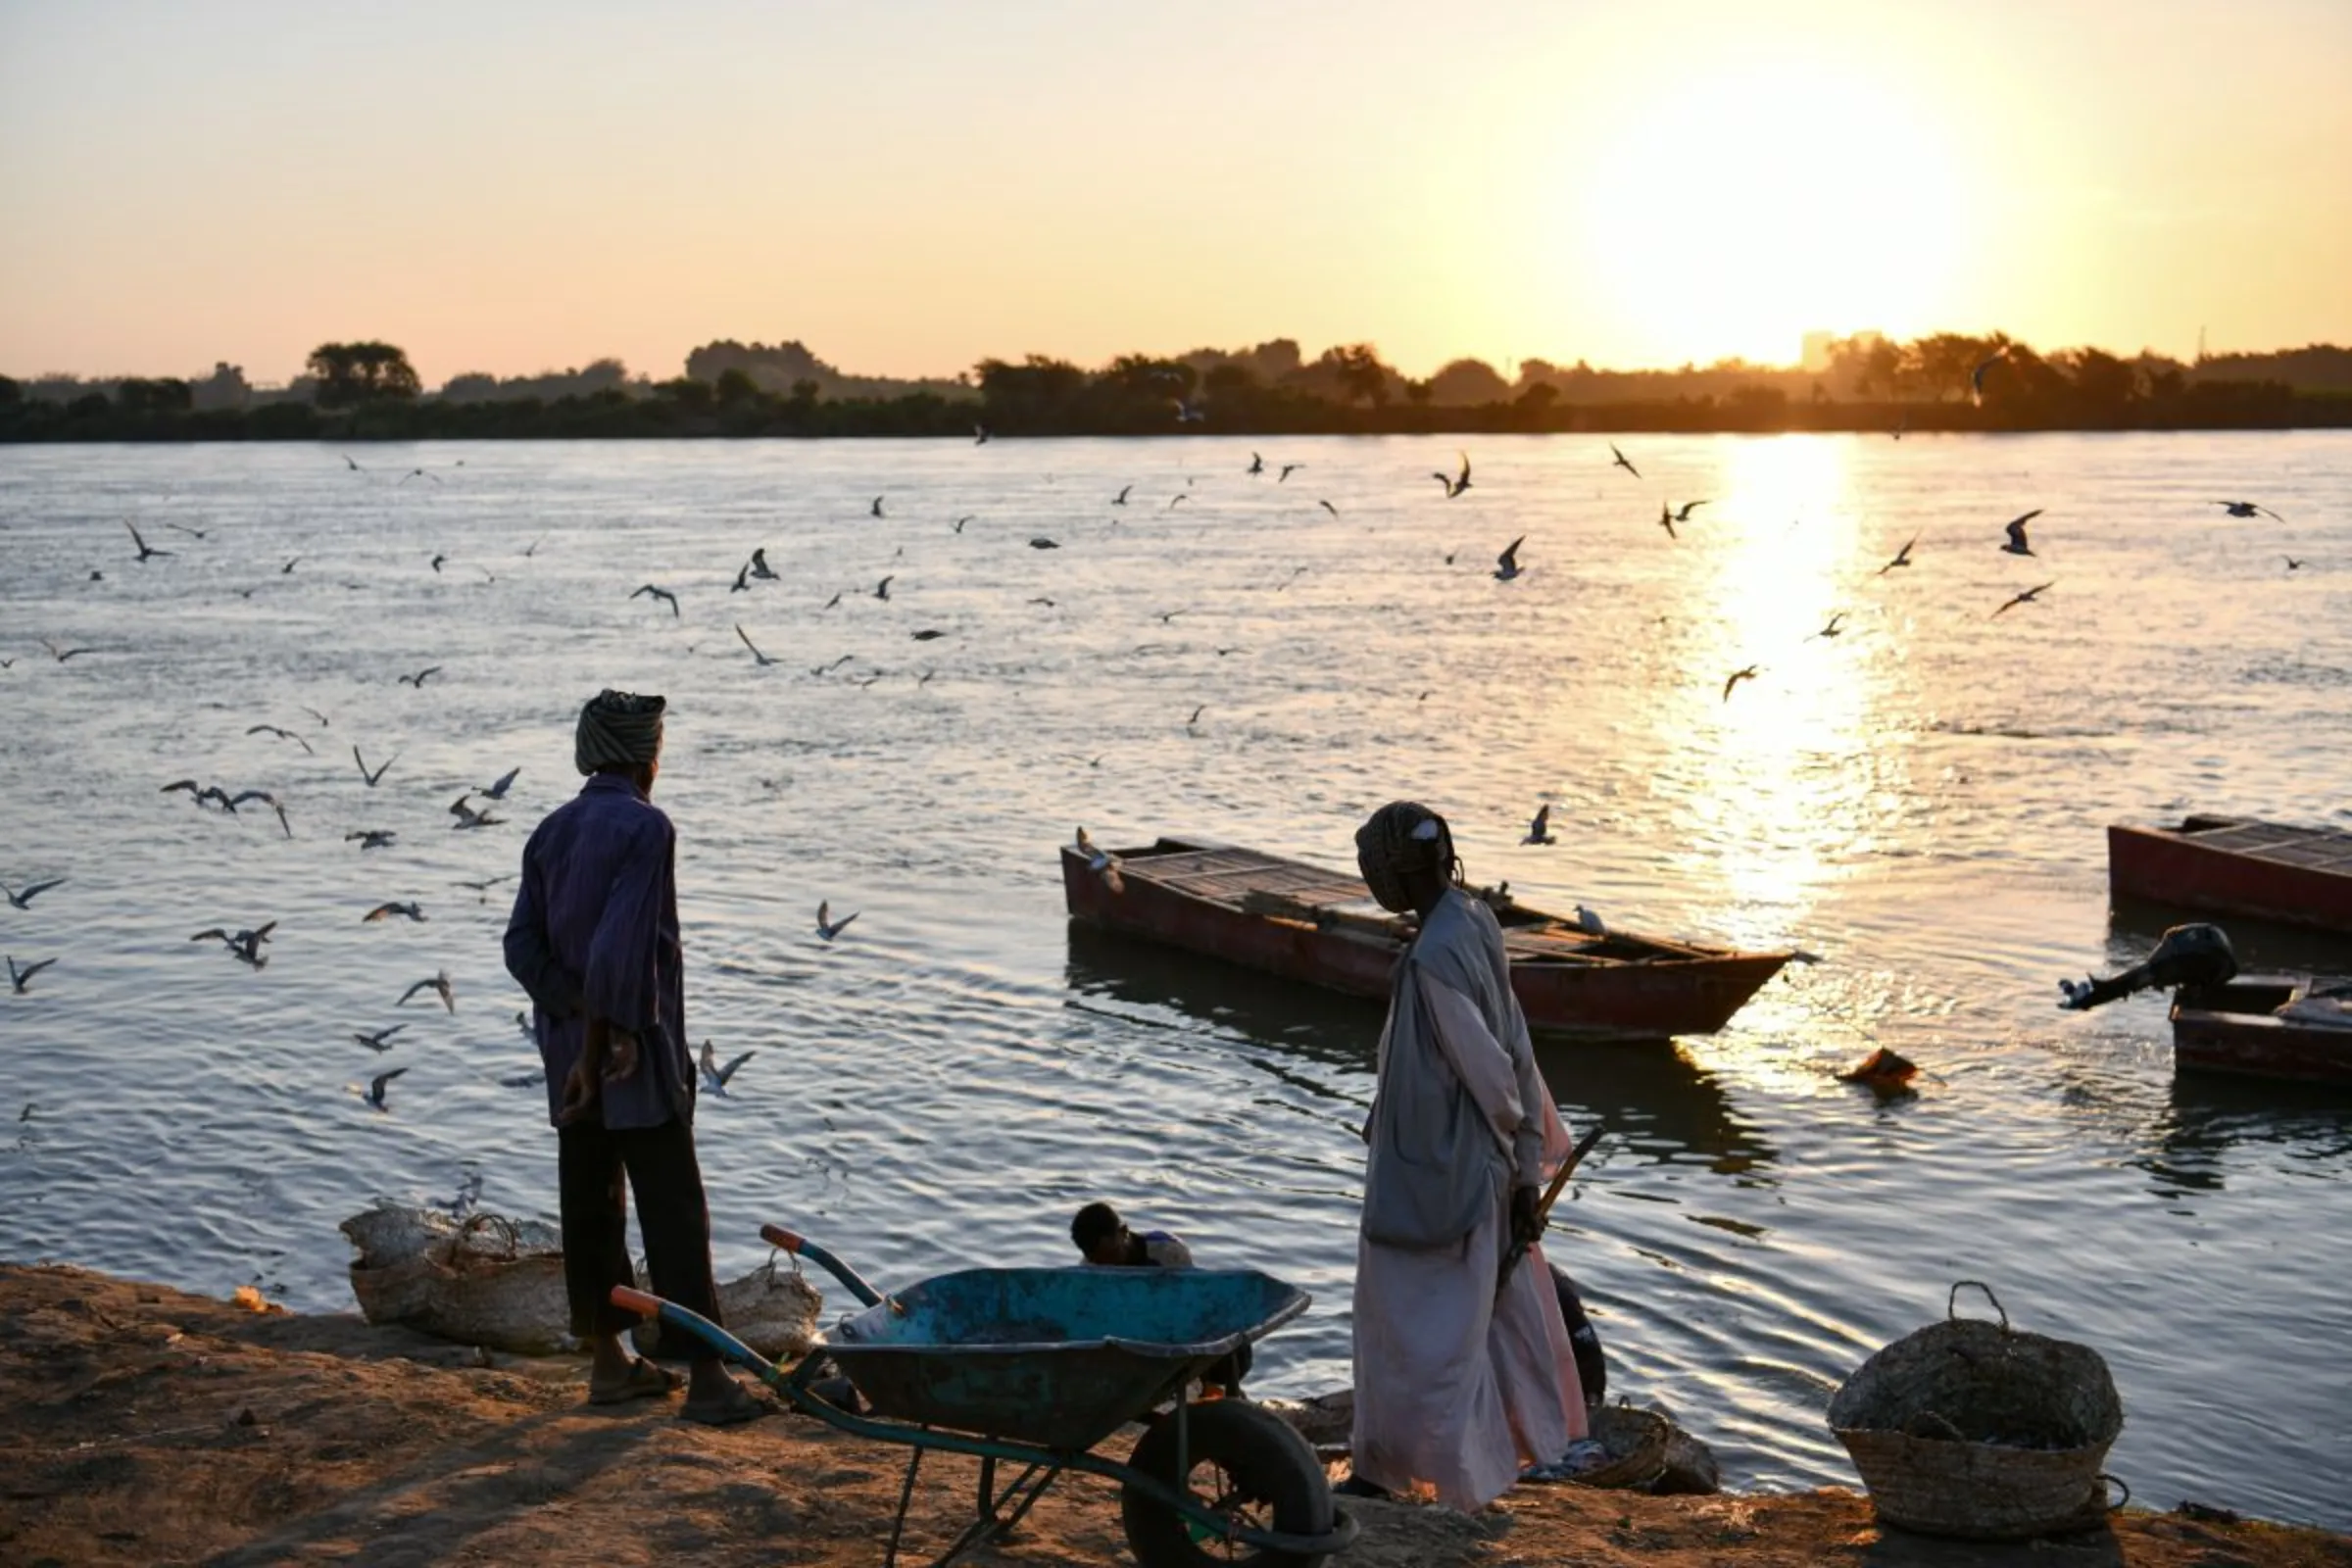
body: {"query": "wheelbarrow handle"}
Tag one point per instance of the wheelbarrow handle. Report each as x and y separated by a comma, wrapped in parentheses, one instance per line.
(671, 1315)
(799, 1246)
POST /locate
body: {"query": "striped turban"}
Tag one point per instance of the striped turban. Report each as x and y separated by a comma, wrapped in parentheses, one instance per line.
(618, 729)
(1401, 838)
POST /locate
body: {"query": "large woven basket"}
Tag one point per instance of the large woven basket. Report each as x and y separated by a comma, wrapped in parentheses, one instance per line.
(1637, 1445)
(1980, 1431)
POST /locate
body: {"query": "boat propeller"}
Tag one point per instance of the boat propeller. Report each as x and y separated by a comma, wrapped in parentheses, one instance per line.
(2186, 956)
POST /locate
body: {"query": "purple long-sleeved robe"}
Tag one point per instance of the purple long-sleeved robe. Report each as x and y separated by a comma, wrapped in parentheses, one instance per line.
(595, 931)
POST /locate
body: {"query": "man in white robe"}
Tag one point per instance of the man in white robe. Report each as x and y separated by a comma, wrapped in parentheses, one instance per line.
(1457, 1386)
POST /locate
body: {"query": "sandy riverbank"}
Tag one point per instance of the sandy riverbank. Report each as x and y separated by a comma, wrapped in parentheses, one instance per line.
(139, 1425)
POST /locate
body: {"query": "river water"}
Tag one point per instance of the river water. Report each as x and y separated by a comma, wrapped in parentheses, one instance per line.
(1919, 800)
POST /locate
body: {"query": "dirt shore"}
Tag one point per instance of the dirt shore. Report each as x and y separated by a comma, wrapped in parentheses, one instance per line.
(140, 1426)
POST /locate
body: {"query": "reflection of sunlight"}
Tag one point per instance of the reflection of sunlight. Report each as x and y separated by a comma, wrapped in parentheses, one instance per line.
(1790, 771)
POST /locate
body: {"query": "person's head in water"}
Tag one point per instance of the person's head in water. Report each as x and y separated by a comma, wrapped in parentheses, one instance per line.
(620, 732)
(1406, 852)
(1102, 1236)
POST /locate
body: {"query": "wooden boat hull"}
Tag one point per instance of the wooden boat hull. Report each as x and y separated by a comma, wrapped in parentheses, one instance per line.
(2270, 871)
(1680, 991)
(2236, 1029)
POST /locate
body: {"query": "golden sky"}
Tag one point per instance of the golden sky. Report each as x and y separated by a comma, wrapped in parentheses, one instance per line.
(908, 187)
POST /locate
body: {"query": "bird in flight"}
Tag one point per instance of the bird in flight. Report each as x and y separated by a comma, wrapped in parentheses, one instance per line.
(2015, 530)
(1618, 459)
(532, 549)
(374, 1095)
(1288, 470)
(650, 591)
(828, 927)
(1457, 483)
(2292, 564)
(882, 588)
(762, 659)
(828, 669)
(2246, 508)
(743, 580)
(1041, 542)
(979, 435)
(145, 549)
(61, 655)
(1976, 377)
(1737, 675)
(193, 533)
(1102, 862)
(1683, 514)
(760, 567)
(230, 802)
(372, 838)
(355, 467)
(1120, 499)
(1196, 718)
(378, 773)
(436, 565)
(961, 522)
(1188, 412)
(1835, 628)
(284, 735)
(381, 1040)
(243, 946)
(439, 985)
(1539, 831)
(929, 634)
(23, 897)
(496, 791)
(1902, 557)
(419, 679)
(1666, 520)
(417, 473)
(466, 816)
(484, 888)
(19, 978)
(385, 912)
(876, 509)
(1328, 507)
(1506, 565)
(715, 1076)
(2026, 598)
(1257, 465)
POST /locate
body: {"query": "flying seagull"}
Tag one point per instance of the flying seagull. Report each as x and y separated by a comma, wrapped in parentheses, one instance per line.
(1835, 628)
(979, 439)
(1539, 831)
(1288, 470)
(384, 912)
(876, 509)
(231, 803)
(882, 588)
(1102, 862)
(1902, 557)
(715, 1076)
(61, 655)
(419, 679)
(1976, 377)
(1041, 542)
(763, 659)
(438, 984)
(23, 897)
(378, 773)
(961, 522)
(145, 549)
(381, 1040)
(2015, 530)
(658, 593)
(1328, 507)
(1456, 484)
(760, 567)
(1120, 499)
(1737, 675)
(2292, 564)
(2246, 508)
(21, 978)
(193, 533)
(372, 838)
(828, 927)
(284, 735)
(497, 790)
(1506, 565)
(375, 1088)
(1617, 460)
(1666, 520)
(743, 579)
(1683, 514)
(2026, 598)
(1257, 465)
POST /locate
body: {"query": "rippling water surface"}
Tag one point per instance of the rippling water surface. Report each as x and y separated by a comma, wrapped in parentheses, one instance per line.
(1919, 800)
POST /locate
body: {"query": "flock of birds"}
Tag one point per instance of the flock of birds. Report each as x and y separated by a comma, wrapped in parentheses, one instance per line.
(247, 945)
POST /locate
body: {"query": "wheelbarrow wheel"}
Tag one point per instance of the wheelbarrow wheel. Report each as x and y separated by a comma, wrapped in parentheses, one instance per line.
(1248, 1465)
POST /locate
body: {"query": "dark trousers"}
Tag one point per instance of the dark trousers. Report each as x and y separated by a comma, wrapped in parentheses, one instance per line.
(659, 1165)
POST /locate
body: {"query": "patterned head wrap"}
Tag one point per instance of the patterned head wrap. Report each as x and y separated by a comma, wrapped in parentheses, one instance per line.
(618, 729)
(1401, 838)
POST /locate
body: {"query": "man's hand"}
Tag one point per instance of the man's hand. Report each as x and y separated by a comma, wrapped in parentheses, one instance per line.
(1527, 1226)
(581, 1088)
(622, 1056)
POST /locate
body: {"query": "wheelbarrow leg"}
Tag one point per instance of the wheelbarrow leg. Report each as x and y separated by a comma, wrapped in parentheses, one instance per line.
(897, 1525)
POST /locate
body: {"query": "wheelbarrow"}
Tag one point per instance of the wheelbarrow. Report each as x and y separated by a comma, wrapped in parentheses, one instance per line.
(1036, 1367)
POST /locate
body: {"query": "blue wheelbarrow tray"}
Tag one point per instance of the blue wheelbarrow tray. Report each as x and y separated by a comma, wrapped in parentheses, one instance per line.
(1059, 1358)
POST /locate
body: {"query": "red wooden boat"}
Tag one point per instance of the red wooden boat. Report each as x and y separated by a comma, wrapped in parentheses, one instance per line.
(2266, 1026)
(1305, 923)
(2230, 866)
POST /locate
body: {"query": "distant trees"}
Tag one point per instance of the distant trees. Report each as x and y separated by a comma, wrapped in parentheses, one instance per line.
(351, 373)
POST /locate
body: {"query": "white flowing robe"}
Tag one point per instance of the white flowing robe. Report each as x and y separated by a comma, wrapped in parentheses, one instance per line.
(1456, 1389)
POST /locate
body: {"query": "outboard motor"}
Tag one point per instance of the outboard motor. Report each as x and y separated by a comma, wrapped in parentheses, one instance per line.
(2186, 956)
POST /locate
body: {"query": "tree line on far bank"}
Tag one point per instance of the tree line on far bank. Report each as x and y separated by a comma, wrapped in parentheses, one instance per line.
(362, 391)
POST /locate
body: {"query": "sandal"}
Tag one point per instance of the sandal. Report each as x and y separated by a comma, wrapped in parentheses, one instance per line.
(645, 1381)
(731, 1409)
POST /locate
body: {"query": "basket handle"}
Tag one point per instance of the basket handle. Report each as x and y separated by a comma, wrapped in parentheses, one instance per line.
(2102, 1479)
(1951, 1302)
(514, 1237)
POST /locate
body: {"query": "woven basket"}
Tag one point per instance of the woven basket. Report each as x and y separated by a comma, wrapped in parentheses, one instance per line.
(1979, 1431)
(1637, 1445)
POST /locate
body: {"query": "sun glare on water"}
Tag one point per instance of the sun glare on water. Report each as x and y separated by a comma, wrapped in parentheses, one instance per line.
(1760, 201)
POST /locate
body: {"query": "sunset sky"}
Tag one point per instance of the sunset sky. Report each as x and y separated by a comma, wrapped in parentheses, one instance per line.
(908, 187)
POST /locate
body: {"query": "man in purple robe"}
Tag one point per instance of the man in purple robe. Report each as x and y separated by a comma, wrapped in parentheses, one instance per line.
(594, 939)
